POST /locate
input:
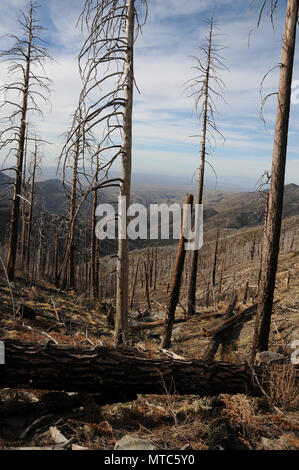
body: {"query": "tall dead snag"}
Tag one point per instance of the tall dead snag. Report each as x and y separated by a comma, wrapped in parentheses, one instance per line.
(273, 226)
(67, 274)
(213, 277)
(26, 58)
(121, 317)
(177, 277)
(33, 168)
(134, 284)
(94, 242)
(206, 87)
(106, 63)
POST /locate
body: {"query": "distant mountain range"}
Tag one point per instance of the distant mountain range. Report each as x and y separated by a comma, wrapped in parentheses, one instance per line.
(154, 180)
(221, 209)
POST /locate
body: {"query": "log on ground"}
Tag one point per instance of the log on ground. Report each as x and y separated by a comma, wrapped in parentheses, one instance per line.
(104, 371)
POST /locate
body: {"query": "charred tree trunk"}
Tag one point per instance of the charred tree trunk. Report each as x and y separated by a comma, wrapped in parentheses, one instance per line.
(29, 230)
(94, 245)
(207, 79)
(273, 227)
(14, 219)
(176, 280)
(134, 284)
(100, 370)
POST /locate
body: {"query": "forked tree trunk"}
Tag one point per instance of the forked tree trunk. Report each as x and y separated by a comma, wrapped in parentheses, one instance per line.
(273, 226)
(121, 318)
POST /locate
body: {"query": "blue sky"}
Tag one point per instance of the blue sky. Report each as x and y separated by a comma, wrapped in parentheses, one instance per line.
(164, 117)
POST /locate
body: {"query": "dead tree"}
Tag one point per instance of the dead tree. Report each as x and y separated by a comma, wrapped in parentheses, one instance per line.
(147, 285)
(113, 373)
(177, 277)
(106, 62)
(213, 277)
(206, 87)
(216, 339)
(94, 243)
(67, 273)
(26, 55)
(33, 169)
(134, 284)
(275, 204)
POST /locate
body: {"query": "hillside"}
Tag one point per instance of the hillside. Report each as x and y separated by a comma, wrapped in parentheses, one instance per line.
(221, 209)
(170, 421)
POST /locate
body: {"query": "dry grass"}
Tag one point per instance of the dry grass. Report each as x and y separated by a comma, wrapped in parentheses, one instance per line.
(282, 387)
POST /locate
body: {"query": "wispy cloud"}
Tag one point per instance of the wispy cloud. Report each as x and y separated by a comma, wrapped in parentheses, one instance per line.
(163, 113)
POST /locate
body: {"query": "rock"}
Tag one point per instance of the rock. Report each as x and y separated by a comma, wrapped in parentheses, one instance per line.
(274, 444)
(133, 442)
(268, 356)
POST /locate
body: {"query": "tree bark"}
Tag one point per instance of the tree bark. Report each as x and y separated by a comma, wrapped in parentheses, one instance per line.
(121, 318)
(14, 219)
(176, 280)
(240, 317)
(195, 253)
(100, 370)
(29, 230)
(273, 226)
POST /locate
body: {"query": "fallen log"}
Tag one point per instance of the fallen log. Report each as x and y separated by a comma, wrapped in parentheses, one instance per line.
(107, 371)
(219, 338)
(58, 403)
(153, 324)
(245, 315)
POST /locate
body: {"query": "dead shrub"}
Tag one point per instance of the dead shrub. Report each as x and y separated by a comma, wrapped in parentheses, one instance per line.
(282, 387)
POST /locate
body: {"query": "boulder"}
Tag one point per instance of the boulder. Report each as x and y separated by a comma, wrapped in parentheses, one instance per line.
(133, 442)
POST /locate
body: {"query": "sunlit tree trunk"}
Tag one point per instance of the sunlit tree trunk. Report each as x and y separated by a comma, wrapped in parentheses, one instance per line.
(274, 216)
(14, 219)
(121, 319)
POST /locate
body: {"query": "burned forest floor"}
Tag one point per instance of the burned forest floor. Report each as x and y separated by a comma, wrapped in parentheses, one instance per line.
(29, 418)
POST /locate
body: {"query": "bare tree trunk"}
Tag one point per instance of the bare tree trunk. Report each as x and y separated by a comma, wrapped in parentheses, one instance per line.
(24, 210)
(55, 260)
(121, 318)
(72, 212)
(104, 371)
(134, 284)
(272, 239)
(155, 269)
(194, 259)
(213, 281)
(94, 244)
(14, 220)
(29, 230)
(40, 246)
(147, 285)
(176, 280)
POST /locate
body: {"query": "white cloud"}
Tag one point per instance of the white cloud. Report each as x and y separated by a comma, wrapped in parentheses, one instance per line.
(163, 112)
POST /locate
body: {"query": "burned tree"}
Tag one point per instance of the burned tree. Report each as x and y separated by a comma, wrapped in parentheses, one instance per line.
(275, 202)
(24, 95)
(106, 63)
(177, 275)
(206, 87)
